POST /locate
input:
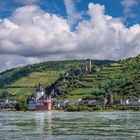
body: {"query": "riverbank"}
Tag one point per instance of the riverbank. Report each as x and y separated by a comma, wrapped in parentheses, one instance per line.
(92, 108)
(83, 108)
(71, 111)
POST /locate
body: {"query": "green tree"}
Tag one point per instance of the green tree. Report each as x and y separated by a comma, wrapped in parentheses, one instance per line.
(22, 104)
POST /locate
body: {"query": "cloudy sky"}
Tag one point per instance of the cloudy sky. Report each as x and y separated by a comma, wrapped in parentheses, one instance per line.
(32, 31)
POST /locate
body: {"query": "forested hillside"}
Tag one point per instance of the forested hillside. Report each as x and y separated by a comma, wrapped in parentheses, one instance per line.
(10, 76)
(121, 79)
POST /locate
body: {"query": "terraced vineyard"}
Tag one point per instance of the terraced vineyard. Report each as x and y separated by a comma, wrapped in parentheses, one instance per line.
(45, 73)
(33, 79)
(121, 79)
(90, 84)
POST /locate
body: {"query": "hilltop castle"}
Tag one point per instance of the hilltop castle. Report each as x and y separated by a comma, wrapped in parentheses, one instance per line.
(88, 66)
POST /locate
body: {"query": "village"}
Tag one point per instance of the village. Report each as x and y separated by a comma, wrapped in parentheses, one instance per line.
(40, 102)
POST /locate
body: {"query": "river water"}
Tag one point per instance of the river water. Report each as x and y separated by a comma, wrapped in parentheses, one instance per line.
(70, 125)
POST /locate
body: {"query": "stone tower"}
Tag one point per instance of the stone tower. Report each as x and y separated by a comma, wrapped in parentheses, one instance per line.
(88, 65)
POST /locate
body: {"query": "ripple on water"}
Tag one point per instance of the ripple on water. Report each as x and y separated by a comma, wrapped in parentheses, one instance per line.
(69, 125)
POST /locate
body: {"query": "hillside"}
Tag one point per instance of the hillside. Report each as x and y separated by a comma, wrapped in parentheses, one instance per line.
(45, 73)
(46, 78)
(122, 79)
(9, 76)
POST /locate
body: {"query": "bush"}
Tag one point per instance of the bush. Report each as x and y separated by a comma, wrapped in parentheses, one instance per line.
(84, 108)
(137, 108)
(97, 107)
(72, 108)
(79, 108)
(21, 105)
(122, 108)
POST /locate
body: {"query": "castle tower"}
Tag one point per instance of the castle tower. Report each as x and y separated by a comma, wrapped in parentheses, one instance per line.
(88, 65)
(39, 92)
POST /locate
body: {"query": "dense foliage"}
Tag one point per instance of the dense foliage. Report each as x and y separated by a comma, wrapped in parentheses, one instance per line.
(122, 79)
(22, 104)
(10, 76)
(127, 82)
(90, 108)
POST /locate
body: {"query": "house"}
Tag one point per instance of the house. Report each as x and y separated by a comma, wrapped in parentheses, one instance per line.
(92, 102)
(31, 105)
(132, 101)
(40, 104)
(8, 104)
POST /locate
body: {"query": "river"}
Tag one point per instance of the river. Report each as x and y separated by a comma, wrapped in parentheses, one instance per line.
(70, 125)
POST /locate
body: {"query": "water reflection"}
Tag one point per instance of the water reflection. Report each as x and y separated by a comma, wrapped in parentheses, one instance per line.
(49, 122)
(44, 123)
(39, 119)
(64, 125)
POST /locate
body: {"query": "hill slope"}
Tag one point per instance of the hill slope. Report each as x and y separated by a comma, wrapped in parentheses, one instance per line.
(10, 76)
(122, 79)
(46, 78)
(45, 73)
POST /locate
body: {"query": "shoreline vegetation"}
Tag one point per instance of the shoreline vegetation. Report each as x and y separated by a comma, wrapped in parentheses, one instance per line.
(72, 111)
(103, 108)
(85, 108)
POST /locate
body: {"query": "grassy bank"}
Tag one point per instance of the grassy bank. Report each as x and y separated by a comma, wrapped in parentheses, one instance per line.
(91, 108)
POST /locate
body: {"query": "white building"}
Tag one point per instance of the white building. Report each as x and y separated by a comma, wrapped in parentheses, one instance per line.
(132, 102)
(39, 92)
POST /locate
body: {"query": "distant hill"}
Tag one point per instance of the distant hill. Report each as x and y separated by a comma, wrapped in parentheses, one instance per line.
(45, 73)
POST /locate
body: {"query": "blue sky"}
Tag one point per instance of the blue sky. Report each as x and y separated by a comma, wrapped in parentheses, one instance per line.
(113, 8)
(32, 31)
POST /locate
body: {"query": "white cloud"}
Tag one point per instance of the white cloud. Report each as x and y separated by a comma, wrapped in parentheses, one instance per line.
(73, 14)
(27, 2)
(128, 5)
(41, 34)
(10, 61)
(36, 34)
